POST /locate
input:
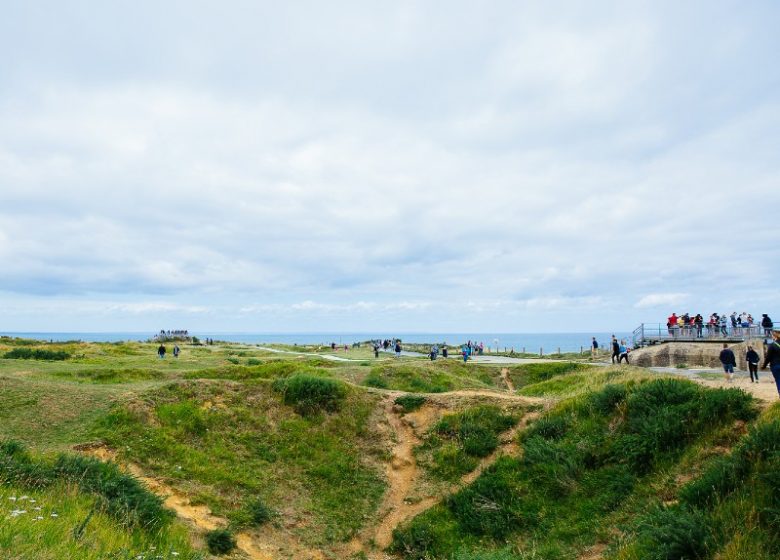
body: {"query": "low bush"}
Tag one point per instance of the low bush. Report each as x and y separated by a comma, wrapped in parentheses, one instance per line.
(259, 512)
(676, 533)
(220, 541)
(119, 494)
(36, 354)
(309, 394)
(410, 403)
(476, 429)
(605, 401)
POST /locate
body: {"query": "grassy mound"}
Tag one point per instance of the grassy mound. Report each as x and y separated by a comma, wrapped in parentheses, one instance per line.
(428, 377)
(579, 463)
(233, 445)
(309, 394)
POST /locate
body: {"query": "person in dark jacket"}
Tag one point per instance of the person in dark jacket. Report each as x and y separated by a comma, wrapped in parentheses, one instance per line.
(767, 324)
(752, 358)
(615, 349)
(161, 351)
(772, 357)
(729, 361)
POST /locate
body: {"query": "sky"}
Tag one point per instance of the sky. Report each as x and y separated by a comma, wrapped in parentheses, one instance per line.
(427, 166)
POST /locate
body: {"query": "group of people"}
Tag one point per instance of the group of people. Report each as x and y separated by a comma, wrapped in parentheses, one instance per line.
(687, 324)
(161, 351)
(752, 357)
(620, 350)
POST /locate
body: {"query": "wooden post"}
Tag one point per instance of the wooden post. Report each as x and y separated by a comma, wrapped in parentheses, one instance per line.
(541, 352)
(580, 350)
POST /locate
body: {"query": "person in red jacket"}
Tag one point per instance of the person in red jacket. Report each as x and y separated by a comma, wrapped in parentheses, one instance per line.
(671, 323)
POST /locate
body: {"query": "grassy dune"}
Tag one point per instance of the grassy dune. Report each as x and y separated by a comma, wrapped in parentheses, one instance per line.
(623, 464)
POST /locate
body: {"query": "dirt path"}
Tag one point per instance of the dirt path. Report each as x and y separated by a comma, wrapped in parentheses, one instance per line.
(507, 381)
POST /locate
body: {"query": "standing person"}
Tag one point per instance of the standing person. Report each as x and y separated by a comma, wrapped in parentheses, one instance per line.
(623, 352)
(594, 347)
(444, 352)
(699, 322)
(671, 323)
(397, 348)
(161, 352)
(752, 358)
(376, 350)
(772, 357)
(176, 350)
(615, 349)
(767, 324)
(729, 361)
(465, 353)
(724, 325)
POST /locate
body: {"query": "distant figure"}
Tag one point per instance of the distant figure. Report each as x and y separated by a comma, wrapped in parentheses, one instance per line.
(623, 352)
(333, 346)
(434, 352)
(176, 350)
(766, 324)
(444, 352)
(615, 349)
(724, 325)
(752, 358)
(376, 350)
(671, 324)
(594, 347)
(465, 352)
(161, 352)
(729, 361)
(346, 347)
(398, 349)
(772, 357)
(699, 322)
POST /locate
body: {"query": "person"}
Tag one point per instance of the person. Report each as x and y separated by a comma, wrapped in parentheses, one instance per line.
(729, 361)
(766, 324)
(465, 353)
(397, 348)
(671, 323)
(724, 329)
(161, 352)
(752, 358)
(433, 352)
(615, 349)
(176, 350)
(772, 357)
(699, 322)
(594, 347)
(444, 352)
(623, 352)
(376, 350)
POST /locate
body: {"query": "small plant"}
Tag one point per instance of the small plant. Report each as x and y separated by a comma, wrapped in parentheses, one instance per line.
(254, 362)
(220, 541)
(681, 366)
(259, 512)
(410, 403)
(233, 360)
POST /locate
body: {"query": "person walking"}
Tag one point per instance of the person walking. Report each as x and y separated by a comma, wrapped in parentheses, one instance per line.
(397, 348)
(444, 352)
(376, 350)
(176, 351)
(161, 352)
(729, 361)
(623, 352)
(615, 349)
(772, 357)
(752, 358)
(594, 347)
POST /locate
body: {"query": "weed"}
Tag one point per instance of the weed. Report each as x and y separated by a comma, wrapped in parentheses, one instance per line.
(220, 541)
(410, 403)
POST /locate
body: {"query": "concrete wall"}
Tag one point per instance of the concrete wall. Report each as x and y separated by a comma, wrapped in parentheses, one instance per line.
(692, 354)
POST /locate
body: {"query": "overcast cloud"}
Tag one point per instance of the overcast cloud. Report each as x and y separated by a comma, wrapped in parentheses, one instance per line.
(507, 166)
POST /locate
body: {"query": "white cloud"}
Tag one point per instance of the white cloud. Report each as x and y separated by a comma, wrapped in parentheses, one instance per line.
(661, 300)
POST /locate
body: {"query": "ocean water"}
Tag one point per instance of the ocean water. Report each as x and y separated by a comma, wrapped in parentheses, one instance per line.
(531, 342)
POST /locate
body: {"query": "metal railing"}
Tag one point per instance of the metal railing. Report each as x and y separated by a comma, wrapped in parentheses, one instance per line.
(652, 333)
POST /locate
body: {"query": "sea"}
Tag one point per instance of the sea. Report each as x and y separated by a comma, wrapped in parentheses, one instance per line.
(548, 343)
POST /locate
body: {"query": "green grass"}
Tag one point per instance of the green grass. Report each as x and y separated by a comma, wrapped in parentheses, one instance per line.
(580, 463)
(195, 435)
(458, 441)
(420, 376)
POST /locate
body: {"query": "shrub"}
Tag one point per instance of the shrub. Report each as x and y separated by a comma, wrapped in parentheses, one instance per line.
(548, 427)
(450, 462)
(410, 402)
(674, 534)
(233, 360)
(429, 535)
(476, 428)
(605, 401)
(220, 541)
(36, 354)
(185, 416)
(375, 379)
(254, 362)
(259, 512)
(309, 394)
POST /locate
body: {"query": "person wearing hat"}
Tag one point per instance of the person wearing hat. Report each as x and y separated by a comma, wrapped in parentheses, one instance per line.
(772, 357)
